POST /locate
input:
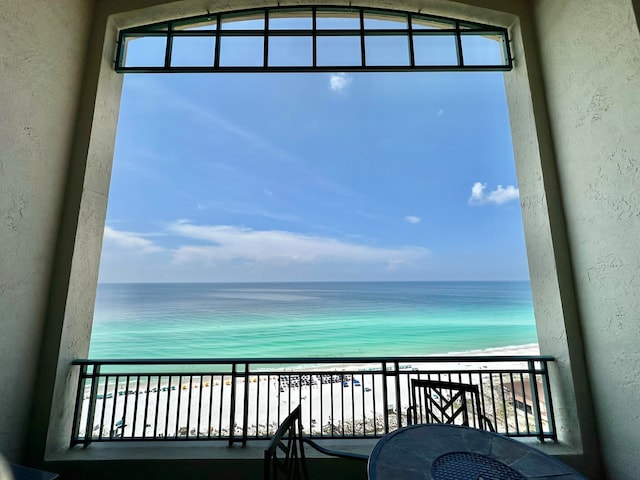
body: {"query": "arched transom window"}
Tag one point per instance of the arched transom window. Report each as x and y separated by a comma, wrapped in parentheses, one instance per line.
(313, 39)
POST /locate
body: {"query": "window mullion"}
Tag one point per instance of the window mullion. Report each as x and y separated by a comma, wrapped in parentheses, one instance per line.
(363, 53)
(459, 45)
(216, 54)
(314, 35)
(169, 46)
(265, 59)
(412, 56)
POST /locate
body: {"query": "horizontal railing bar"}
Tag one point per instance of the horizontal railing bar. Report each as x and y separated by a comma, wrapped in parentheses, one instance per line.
(315, 360)
(173, 373)
(194, 437)
(302, 372)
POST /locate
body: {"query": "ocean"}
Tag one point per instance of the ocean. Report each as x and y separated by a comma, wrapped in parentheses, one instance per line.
(215, 320)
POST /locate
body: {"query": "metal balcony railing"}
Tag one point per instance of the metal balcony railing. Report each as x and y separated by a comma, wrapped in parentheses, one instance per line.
(239, 399)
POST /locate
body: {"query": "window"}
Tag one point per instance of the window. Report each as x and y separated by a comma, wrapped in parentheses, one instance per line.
(313, 39)
(307, 169)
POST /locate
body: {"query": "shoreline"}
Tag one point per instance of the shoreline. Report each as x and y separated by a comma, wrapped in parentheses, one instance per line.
(526, 349)
(529, 349)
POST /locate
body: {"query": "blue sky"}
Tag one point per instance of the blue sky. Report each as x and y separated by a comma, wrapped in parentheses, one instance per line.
(313, 177)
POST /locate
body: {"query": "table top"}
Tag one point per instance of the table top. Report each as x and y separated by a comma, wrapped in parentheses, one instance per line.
(440, 452)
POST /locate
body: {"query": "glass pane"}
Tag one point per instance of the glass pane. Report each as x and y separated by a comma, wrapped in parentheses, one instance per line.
(387, 50)
(435, 50)
(241, 51)
(330, 20)
(290, 51)
(338, 51)
(193, 51)
(426, 23)
(205, 24)
(145, 51)
(382, 21)
(483, 50)
(299, 20)
(249, 21)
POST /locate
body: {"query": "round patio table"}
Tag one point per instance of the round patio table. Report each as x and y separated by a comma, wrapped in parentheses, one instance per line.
(444, 452)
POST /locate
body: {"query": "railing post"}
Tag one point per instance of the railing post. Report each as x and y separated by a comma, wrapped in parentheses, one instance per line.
(551, 419)
(385, 398)
(535, 398)
(245, 413)
(232, 409)
(79, 400)
(396, 365)
(88, 433)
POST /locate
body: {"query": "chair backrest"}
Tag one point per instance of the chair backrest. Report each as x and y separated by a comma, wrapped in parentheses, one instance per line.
(437, 401)
(284, 457)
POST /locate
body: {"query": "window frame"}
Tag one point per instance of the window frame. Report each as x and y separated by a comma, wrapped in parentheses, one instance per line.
(178, 28)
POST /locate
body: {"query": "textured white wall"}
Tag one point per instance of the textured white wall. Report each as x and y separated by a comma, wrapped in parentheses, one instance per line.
(550, 272)
(590, 51)
(41, 59)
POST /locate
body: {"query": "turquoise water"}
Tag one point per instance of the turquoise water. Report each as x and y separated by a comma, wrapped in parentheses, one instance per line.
(160, 320)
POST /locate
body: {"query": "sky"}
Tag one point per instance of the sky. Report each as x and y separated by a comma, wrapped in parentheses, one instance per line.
(273, 177)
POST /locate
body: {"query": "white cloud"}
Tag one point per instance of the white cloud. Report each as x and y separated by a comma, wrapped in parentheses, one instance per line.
(498, 196)
(412, 219)
(277, 247)
(130, 241)
(339, 81)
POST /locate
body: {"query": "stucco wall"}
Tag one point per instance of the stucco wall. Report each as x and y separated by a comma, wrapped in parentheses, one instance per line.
(550, 270)
(41, 59)
(590, 51)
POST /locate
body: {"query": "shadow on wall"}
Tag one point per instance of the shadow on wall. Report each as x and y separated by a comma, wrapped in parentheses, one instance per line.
(5, 470)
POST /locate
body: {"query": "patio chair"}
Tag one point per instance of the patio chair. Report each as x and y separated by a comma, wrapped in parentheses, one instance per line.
(284, 458)
(436, 401)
